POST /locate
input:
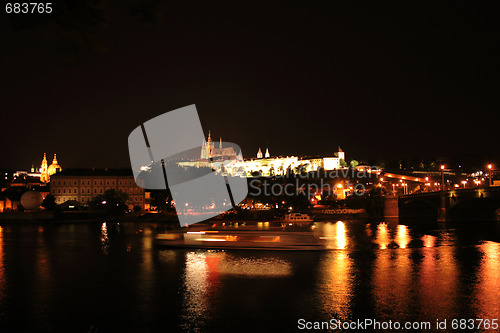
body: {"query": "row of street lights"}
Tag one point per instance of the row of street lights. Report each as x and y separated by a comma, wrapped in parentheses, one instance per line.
(490, 176)
(443, 184)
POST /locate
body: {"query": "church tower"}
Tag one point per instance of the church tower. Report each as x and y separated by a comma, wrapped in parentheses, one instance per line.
(207, 148)
(210, 145)
(44, 176)
(54, 167)
(259, 153)
(267, 155)
(341, 154)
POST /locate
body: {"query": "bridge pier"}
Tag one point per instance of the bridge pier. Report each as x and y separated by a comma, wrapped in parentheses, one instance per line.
(442, 208)
(391, 207)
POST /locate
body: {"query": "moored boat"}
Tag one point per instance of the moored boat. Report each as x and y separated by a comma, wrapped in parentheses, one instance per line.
(338, 213)
(297, 217)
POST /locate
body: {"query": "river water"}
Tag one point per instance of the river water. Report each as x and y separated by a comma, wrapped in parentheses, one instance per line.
(71, 277)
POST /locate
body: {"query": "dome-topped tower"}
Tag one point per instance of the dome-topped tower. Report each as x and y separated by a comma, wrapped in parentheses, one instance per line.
(54, 167)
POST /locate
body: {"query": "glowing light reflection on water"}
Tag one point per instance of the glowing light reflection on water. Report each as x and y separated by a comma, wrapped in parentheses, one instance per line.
(82, 273)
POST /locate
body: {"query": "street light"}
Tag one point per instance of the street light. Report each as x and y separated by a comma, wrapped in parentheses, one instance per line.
(490, 174)
(405, 188)
(442, 177)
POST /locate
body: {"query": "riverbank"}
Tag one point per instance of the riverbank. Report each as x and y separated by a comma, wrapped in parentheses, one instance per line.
(83, 217)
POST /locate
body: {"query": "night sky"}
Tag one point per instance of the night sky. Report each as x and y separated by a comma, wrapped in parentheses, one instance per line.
(387, 81)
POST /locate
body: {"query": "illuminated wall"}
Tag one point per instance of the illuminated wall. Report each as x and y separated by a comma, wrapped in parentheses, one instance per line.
(84, 188)
(331, 163)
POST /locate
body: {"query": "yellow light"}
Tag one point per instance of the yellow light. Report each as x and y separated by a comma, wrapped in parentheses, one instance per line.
(341, 235)
(428, 240)
(442, 167)
(210, 240)
(402, 236)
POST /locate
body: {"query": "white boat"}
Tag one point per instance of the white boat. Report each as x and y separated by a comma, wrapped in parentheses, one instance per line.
(242, 239)
(297, 217)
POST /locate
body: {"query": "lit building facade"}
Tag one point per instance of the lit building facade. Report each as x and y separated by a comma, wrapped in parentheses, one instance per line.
(48, 170)
(269, 166)
(263, 165)
(83, 185)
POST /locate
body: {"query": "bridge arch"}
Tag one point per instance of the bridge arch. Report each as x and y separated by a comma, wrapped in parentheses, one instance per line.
(474, 209)
(420, 208)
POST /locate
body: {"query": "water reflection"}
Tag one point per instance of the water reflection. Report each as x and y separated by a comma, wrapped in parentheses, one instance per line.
(59, 275)
(104, 238)
(197, 288)
(253, 267)
(335, 284)
(341, 235)
(43, 275)
(392, 282)
(382, 237)
(205, 270)
(2, 269)
(428, 240)
(146, 277)
(488, 287)
(402, 236)
(147, 254)
(438, 282)
(335, 235)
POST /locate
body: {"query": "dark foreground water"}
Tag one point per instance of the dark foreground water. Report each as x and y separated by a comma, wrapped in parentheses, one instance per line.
(68, 277)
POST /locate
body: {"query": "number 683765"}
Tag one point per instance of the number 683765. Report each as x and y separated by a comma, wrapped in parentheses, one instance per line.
(28, 7)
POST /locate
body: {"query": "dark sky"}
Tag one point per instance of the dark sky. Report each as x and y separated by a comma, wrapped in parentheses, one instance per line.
(387, 81)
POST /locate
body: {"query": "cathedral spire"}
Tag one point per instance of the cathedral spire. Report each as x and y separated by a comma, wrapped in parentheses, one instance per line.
(44, 176)
(259, 153)
(220, 143)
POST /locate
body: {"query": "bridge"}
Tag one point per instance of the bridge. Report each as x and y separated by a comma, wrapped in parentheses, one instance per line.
(468, 204)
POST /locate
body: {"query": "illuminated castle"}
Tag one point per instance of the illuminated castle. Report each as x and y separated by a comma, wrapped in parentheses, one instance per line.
(208, 150)
(264, 164)
(48, 170)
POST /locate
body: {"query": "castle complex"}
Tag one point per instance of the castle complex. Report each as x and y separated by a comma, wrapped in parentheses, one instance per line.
(263, 164)
(266, 165)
